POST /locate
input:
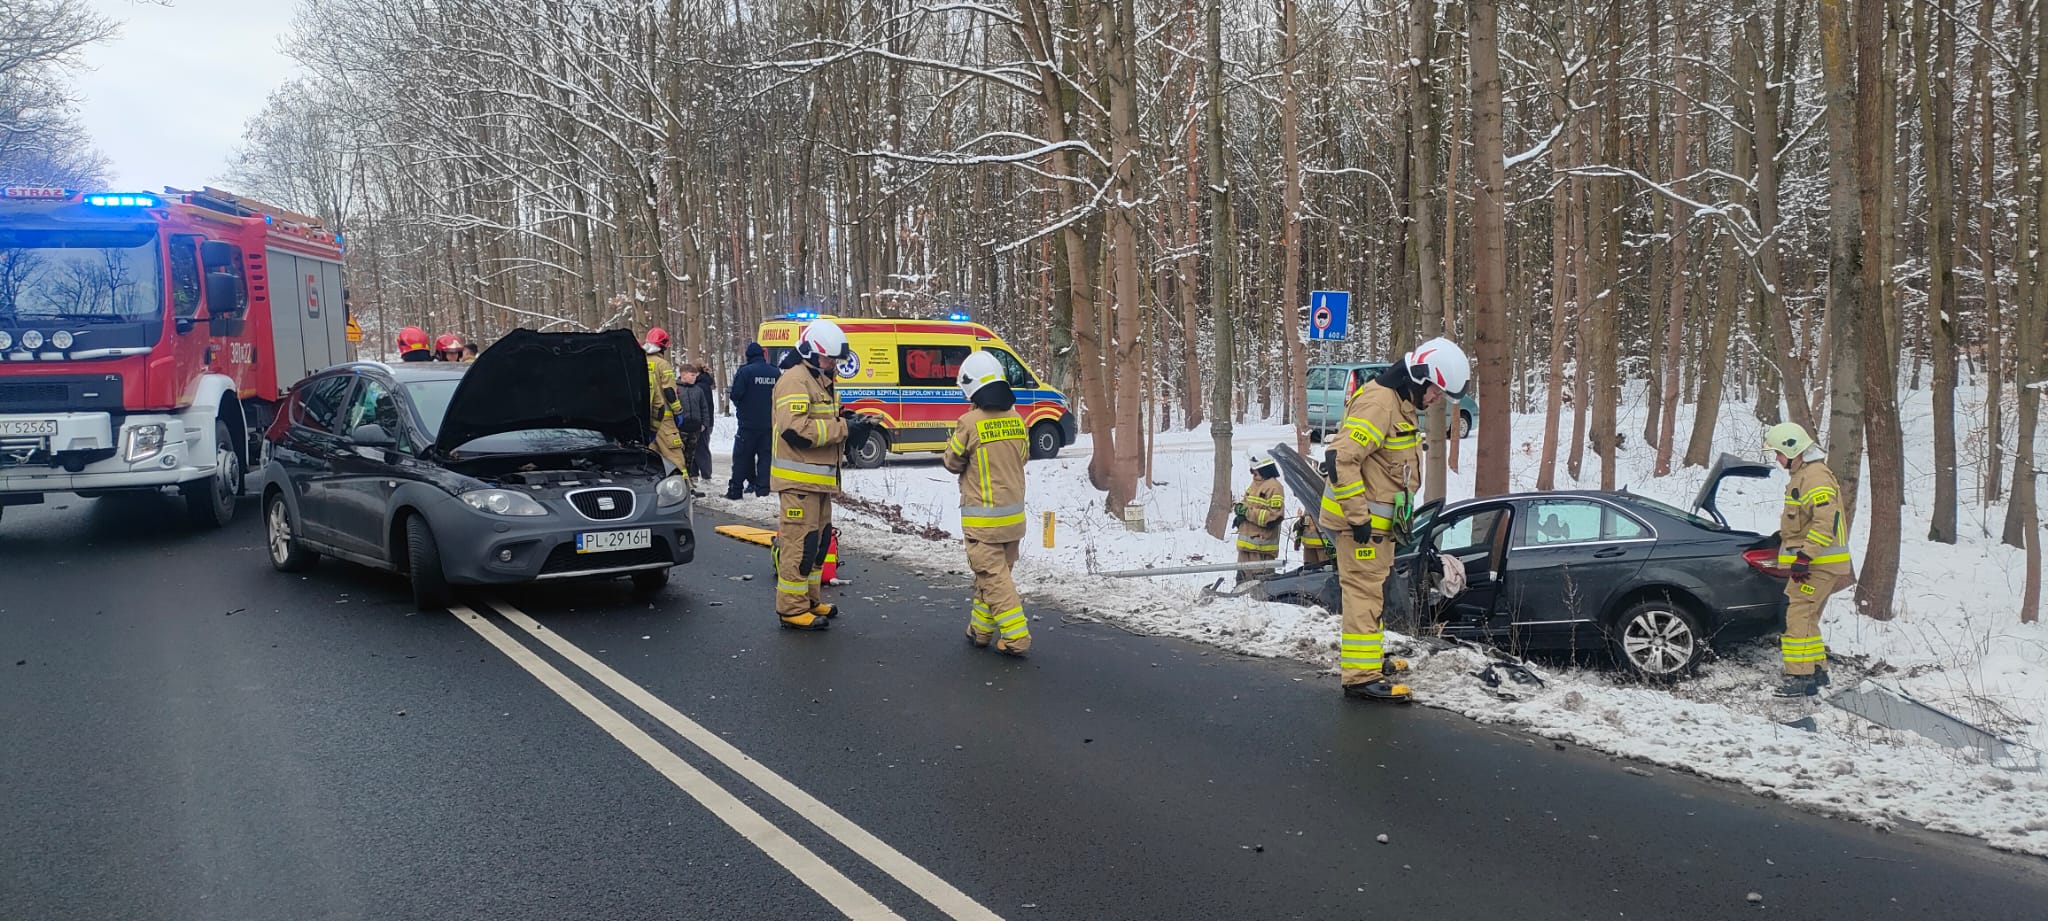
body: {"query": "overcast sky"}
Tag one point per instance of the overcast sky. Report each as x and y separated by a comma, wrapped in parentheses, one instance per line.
(166, 101)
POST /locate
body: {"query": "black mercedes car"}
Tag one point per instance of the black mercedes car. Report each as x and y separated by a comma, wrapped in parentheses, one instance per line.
(1573, 571)
(529, 463)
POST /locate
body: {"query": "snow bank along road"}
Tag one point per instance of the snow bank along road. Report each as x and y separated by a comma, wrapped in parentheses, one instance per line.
(191, 735)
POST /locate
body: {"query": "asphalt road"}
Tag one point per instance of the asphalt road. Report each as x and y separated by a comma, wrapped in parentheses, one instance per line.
(189, 735)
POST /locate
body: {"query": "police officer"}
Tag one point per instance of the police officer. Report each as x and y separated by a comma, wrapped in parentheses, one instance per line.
(1372, 481)
(667, 403)
(1259, 513)
(809, 435)
(412, 345)
(1813, 536)
(753, 398)
(987, 450)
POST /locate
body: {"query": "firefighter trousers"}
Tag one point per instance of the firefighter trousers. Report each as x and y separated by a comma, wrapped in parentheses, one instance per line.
(806, 524)
(997, 608)
(668, 441)
(1253, 556)
(1801, 646)
(1362, 570)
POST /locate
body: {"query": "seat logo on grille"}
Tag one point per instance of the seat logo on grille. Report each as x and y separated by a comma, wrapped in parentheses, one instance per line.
(606, 504)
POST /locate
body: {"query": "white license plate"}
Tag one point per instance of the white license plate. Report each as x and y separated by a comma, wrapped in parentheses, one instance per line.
(607, 541)
(28, 428)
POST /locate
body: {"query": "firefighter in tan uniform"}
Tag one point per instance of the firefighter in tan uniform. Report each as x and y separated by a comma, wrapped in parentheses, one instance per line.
(1813, 537)
(1315, 548)
(987, 451)
(661, 385)
(1259, 513)
(1373, 476)
(809, 435)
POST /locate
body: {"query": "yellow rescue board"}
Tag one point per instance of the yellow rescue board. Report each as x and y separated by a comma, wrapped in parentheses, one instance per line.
(751, 535)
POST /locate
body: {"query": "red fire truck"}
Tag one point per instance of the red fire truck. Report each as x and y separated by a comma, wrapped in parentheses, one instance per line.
(145, 339)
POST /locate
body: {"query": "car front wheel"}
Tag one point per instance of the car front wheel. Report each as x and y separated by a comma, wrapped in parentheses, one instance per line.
(1659, 640)
(286, 553)
(423, 561)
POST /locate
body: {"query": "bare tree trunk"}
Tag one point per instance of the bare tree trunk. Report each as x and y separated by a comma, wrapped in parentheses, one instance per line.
(1880, 561)
(1560, 265)
(1648, 154)
(1120, 24)
(1422, 229)
(1221, 272)
(1674, 322)
(1290, 207)
(1845, 252)
(1443, 452)
(1585, 198)
(1987, 257)
(1489, 250)
(1767, 129)
(2022, 520)
(1937, 124)
(1606, 354)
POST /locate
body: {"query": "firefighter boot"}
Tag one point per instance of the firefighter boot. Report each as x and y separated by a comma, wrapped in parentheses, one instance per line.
(827, 611)
(1801, 686)
(806, 621)
(1017, 647)
(1392, 666)
(1378, 690)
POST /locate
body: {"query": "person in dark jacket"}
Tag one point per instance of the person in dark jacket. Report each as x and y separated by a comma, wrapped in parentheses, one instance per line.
(753, 397)
(693, 390)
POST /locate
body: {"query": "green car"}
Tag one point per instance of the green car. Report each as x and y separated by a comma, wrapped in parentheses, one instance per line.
(1328, 386)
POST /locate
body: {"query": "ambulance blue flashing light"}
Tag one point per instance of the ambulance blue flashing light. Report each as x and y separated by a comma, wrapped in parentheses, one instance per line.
(801, 315)
(959, 316)
(121, 200)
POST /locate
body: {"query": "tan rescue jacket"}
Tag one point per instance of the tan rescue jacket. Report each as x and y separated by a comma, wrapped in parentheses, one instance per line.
(1264, 506)
(987, 450)
(1377, 472)
(661, 390)
(807, 405)
(1814, 522)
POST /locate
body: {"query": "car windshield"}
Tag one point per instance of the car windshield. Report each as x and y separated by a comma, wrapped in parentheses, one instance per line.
(1673, 510)
(79, 275)
(431, 399)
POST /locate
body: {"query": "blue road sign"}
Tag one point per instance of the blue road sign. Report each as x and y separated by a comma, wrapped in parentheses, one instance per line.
(1328, 314)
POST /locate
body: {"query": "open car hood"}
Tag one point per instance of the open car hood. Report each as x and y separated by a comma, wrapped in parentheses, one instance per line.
(1728, 465)
(531, 380)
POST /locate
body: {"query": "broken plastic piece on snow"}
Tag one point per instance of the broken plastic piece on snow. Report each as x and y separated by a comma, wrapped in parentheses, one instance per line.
(1893, 708)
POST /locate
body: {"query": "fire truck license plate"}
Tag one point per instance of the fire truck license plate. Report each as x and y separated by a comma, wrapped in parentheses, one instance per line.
(27, 428)
(607, 541)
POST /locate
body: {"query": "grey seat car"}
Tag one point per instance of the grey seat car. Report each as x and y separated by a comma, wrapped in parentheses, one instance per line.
(530, 463)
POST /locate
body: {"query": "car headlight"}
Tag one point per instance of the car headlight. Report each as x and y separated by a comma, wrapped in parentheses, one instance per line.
(145, 441)
(503, 502)
(671, 491)
(61, 339)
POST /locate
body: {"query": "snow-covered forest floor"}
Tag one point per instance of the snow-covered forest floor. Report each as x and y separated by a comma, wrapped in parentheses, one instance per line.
(1956, 642)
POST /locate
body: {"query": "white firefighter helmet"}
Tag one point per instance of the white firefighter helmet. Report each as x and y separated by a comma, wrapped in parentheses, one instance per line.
(1788, 438)
(1261, 459)
(1441, 362)
(823, 340)
(979, 370)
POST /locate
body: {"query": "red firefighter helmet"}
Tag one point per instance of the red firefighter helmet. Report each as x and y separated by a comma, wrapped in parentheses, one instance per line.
(412, 339)
(449, 342)
(658, 338)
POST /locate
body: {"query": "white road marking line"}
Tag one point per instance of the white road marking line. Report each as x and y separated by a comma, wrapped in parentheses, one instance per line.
(925, 883)
(844, 894)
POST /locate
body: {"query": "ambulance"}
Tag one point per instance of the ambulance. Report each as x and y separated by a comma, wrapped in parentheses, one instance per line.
(905, 374)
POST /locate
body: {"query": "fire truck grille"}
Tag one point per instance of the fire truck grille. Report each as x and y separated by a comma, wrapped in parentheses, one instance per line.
(25, 395)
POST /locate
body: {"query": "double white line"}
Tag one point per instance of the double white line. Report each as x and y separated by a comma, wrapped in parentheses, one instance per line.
(844, 894)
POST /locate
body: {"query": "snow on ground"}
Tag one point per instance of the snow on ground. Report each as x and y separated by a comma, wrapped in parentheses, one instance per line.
(1956, 642)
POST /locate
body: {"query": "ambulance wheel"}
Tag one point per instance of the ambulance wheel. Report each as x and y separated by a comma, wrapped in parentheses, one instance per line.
(869, 452)
(1045, 441)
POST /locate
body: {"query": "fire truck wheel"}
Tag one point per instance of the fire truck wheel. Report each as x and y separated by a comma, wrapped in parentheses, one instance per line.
(423, 562)
(210, 503)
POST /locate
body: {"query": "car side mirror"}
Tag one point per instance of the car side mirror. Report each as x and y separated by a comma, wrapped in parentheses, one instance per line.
(223, 295)
(372, 435)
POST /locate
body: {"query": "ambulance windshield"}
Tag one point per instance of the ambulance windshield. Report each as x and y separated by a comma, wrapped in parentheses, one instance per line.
(104, 275)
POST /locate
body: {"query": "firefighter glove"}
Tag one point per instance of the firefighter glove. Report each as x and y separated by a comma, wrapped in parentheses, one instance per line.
(1802, 566)
(1361, 532)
